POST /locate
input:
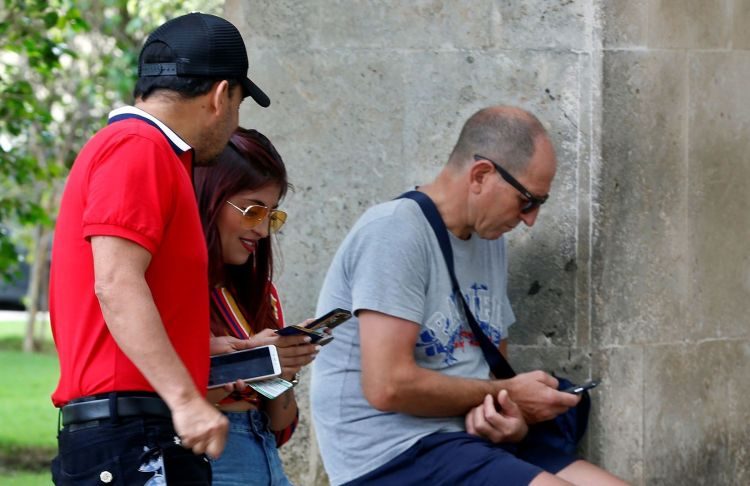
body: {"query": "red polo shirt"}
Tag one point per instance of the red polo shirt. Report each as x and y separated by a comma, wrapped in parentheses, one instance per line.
(131, 180)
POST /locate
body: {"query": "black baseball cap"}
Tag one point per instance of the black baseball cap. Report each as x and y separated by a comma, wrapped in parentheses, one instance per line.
(201, 45)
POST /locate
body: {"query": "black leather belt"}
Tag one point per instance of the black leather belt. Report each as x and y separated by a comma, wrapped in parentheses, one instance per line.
(85, 410)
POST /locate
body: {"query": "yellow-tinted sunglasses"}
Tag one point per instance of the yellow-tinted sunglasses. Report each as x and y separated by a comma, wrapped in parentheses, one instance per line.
(256, 213)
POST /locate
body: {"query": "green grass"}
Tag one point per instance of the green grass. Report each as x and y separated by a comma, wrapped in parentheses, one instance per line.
(16, 478)
(28, 421)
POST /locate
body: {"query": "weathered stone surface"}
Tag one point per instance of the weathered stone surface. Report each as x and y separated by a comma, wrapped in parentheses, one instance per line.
(624, 23)
(640, 272)
(719, 188)
(740, 32)
(694, 418)
(557, 24)
(617, 410)
(696, 24)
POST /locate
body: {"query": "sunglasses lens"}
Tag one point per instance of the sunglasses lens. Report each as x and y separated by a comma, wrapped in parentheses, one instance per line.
(255, 214)
(278, 218)
(529, 207)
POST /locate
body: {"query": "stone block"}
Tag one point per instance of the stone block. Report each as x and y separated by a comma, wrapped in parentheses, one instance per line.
(624, 23)
(571, 363)
(695, 425)
(376, 24)
(615, 435)
(424, 24)
(719, 201)
(273, 25)
(559, 24)
(740, 32)
(639, 257)
(686, 24)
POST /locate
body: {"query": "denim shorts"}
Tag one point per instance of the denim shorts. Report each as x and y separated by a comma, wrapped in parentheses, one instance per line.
(130, 451)
(250, 456)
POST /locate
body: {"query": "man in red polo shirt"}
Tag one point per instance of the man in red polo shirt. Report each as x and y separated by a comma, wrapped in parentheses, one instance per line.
(128, 299)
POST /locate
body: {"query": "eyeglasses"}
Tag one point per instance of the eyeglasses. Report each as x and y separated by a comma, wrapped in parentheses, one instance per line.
(532, 201)
(256, 213)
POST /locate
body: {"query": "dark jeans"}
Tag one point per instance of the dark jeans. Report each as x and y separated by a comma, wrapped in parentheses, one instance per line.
(130, 451)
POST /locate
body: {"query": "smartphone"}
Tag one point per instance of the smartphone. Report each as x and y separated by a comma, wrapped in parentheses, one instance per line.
(578, 389)
(248, 365)
(316, 328)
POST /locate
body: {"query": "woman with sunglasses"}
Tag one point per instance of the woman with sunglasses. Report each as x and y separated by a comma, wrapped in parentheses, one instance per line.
(238, 199)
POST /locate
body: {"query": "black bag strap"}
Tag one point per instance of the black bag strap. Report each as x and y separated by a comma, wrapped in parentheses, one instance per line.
(498, 364)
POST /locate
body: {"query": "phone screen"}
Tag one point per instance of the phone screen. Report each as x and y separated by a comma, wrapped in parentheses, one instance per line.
(242, 365)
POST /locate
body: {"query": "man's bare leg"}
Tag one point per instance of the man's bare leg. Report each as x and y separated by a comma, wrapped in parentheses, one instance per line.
(583, 473)
(547, 479)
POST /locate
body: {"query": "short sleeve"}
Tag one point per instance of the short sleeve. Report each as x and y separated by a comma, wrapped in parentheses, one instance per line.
(388, 269)
(508, 316)
(129, 191)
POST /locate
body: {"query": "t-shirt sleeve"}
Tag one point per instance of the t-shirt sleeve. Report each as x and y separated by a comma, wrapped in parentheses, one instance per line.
(508, 316)
(388, 270)
(129, 192)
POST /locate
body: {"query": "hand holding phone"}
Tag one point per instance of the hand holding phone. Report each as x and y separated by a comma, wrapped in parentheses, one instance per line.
(317, 328)
(578, 389)
(248, 365)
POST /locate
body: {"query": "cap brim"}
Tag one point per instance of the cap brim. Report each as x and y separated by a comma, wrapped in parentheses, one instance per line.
(252, 90)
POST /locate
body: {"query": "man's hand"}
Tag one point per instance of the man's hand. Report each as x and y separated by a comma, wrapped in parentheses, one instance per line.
(537, 396)
(503, 425)
(201, 427)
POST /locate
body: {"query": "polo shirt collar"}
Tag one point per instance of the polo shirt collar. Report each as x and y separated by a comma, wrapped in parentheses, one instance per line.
(127, 112)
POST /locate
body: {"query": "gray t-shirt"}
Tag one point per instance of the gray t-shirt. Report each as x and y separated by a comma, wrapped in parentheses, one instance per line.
(391, 263)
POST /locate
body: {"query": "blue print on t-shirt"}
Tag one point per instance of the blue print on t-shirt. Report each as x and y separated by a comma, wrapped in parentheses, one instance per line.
(442, 335)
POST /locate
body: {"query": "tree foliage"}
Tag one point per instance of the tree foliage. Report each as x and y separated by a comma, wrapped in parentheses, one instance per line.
(64, 64)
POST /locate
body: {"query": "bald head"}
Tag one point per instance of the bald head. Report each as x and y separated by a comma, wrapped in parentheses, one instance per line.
(505, 134)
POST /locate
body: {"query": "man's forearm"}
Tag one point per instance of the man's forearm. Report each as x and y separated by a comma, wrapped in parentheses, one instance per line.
(132, 318)
(419, 391)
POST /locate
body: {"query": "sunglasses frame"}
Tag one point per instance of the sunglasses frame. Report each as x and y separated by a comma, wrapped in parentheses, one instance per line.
(532, 201)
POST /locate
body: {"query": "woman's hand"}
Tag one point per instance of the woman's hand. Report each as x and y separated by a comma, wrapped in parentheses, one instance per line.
(503, 425)
(228, 344)
(294, 351)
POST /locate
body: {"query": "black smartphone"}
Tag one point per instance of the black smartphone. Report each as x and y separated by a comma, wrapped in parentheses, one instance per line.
(578, 389)
(316, 328)
(249, 365)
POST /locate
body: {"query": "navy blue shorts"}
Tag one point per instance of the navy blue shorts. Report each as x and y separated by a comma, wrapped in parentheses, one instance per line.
(460, 458)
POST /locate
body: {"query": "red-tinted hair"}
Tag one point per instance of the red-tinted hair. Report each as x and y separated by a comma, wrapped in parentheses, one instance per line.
(249, 162)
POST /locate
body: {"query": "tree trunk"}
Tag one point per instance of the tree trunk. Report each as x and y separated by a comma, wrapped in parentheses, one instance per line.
(42, 238)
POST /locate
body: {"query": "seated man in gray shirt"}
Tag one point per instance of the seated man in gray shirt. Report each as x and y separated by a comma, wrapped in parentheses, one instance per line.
(403, 394)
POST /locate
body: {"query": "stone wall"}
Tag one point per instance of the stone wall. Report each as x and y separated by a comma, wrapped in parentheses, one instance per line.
(638, 270)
